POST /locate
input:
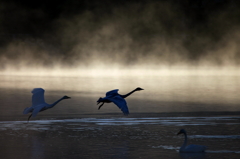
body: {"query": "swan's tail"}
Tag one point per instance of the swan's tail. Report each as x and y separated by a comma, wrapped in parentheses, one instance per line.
(27, 110)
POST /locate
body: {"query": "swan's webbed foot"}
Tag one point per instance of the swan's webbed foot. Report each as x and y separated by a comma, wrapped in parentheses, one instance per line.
(29, 117)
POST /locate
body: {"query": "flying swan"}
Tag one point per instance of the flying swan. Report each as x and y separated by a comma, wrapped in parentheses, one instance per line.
(118, 99)
(38, 103)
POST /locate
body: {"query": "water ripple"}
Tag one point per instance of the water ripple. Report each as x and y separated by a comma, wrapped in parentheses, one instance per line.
(173, 121)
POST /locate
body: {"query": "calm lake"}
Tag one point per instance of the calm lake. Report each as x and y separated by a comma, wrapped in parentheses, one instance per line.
(207, 107)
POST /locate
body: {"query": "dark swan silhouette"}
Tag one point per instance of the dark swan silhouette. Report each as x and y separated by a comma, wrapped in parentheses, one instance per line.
(118, 99)
(190, 148)
(38, 103)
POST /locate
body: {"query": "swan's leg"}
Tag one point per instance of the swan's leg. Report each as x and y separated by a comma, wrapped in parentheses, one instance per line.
(100, 106)
(29, 117)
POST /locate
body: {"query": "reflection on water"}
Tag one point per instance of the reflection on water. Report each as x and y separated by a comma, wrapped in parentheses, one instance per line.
(37, 150)
(192, 155)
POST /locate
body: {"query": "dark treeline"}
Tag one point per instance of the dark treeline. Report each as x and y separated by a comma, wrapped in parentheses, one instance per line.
(36, 17)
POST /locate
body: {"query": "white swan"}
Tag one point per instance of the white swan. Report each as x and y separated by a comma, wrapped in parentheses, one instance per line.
(38, 103)
(190, 148)
(118, 99)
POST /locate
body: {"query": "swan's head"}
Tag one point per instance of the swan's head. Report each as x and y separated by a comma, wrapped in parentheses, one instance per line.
(66, 97)
(182, 131)
(138, 89)
(99, 100)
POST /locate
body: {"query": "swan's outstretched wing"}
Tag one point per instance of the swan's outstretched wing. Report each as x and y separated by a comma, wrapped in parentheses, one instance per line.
(121, 103)
(27, 110)
(112, 92)
(38, 96)
(195, 148)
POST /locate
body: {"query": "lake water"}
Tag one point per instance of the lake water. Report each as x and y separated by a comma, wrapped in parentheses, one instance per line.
(207, 107)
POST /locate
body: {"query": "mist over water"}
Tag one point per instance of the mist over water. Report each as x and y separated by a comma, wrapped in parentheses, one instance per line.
(130, 35)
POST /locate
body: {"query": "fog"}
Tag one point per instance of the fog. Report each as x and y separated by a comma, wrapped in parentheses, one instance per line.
(167, 36)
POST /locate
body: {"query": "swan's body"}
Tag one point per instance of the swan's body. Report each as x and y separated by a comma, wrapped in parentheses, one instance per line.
(38, 103)
(190, 148)
(118, 99)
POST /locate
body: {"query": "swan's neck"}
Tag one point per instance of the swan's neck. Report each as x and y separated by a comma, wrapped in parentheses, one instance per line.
(185, 142)
(53, 104)
(126, 95)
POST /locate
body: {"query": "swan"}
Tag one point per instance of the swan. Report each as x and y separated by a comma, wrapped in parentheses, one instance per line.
(190, 148)
(118, 99)
(38, 102)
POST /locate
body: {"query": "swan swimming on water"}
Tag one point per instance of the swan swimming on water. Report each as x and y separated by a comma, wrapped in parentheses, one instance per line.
(118, 99)
(38, 103)
(190, 148)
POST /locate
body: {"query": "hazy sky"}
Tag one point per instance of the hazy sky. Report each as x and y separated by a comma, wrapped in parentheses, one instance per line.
(128, 33)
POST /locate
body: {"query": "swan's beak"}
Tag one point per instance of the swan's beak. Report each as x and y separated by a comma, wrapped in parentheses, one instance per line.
(140, 89)
(178, 133)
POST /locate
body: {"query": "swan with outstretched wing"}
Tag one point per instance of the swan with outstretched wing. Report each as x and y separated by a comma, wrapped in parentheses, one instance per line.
(118, 99)
(38, 103)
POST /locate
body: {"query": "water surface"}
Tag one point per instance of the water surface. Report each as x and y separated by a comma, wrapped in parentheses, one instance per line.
(206, 106)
